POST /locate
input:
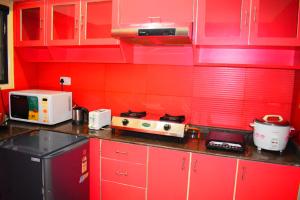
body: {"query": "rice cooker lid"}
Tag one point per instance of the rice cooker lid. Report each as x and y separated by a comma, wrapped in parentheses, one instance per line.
(276, 120)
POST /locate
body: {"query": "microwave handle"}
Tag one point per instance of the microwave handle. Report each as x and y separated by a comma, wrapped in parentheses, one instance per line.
(70, 103)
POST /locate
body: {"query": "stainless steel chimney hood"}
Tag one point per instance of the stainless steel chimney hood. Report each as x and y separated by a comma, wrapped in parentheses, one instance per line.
(155, 34)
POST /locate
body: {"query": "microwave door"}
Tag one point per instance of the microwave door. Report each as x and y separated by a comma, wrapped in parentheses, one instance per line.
(19, 106)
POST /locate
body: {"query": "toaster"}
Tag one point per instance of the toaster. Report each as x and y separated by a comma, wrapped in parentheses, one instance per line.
(99, 118)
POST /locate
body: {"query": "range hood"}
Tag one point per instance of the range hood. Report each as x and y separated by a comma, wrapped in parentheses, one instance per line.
(155, 34)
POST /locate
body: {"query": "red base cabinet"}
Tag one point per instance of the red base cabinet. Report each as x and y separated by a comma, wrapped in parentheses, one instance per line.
(212, 177)
(266, 181)
(167, 174)
(123, 171)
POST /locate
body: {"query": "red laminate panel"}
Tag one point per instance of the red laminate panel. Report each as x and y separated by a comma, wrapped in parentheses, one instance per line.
(122, 102)
(218, 82)
(248, 56)
(296, 104)
(163, 55)
(94, 169)
(169, 80)
(126, 78)
(157, 106)
(139, 12)
(269, 85)
(218, 112)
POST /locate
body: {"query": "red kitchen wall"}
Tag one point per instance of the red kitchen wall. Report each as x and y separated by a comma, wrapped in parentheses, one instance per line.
(296, 104)
(25, 75)
(209, 96)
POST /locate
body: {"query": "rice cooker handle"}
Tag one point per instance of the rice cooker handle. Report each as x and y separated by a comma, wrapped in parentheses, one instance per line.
(292, 132)
(266, 117)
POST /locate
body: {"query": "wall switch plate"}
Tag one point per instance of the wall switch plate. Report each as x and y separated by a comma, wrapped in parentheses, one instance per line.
(66, 80)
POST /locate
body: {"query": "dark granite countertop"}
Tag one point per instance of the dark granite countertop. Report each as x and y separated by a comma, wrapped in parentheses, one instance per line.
(290, 156)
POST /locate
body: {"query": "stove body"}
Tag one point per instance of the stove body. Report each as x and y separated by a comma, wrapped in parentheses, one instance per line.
(135, 121)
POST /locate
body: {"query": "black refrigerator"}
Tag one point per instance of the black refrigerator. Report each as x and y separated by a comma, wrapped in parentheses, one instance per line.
(44, 165)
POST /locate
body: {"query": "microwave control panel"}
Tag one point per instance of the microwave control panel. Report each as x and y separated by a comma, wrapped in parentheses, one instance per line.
(44, 109)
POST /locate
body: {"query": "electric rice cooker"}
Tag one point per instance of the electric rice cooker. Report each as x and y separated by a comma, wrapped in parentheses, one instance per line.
(271, 132)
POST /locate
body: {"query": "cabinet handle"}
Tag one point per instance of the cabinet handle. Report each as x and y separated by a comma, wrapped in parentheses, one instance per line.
(82, 21)
(195, 166)
(246, 18)
(76, 23)
(121, 152)
(154, 19)
(183, 164)
(41, 23)
(243, 173)
(121, 173)
(254, 14)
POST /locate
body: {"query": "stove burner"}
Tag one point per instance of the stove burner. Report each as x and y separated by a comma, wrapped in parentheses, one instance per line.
(170, 118)
(133, 114)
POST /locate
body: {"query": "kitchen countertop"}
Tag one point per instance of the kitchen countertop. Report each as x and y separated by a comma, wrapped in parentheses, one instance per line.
(290, 156)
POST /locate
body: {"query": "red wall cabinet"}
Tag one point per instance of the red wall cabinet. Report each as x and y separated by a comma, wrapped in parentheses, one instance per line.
(123, 171)
(167, 174)
(68, 22)
(212, 177)
(96, 22)
(241, 22)
(258, 180)
(63, 22)
(222, 22)
(275, 22)
(29, 23)
(130, 12)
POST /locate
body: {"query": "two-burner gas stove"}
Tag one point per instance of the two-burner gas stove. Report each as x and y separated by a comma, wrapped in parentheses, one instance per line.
(136, 121)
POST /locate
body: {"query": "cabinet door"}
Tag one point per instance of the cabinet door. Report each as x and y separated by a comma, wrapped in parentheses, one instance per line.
(139, 12)
(29, 23)
(222, 22)
(275, 22)
(63, 22)
(212, 177)
(267, 181)
(167, 174)
(96, 22)
(94, 169)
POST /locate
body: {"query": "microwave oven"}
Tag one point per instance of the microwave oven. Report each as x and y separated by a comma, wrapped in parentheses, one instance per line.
(40, 106)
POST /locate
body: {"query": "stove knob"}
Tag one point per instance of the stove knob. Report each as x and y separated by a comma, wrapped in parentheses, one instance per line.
(167, 127)
(125, 122)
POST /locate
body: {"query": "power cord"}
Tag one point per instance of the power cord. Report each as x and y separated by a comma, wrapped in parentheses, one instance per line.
(61, 84)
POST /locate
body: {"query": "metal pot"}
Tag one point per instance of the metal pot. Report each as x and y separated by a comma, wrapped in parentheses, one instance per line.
(79, 115)
(271, 132)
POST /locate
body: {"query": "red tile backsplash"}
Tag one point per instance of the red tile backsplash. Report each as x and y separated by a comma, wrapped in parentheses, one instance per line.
(209, 96)
(169, 80)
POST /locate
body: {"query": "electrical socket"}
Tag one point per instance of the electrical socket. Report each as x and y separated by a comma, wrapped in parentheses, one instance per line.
(67, 80)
